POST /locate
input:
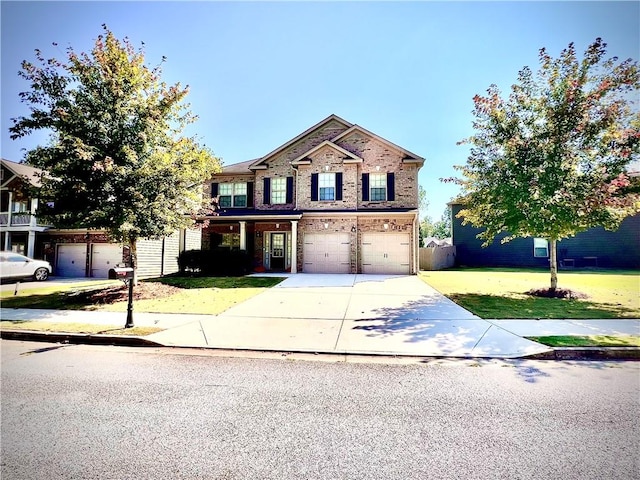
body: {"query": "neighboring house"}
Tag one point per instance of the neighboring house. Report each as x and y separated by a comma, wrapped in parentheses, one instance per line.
(334, 199)
(431, 242)
(81, 252)
(596, 247)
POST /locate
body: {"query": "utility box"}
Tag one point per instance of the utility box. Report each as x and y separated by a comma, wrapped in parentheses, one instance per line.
(120, 273)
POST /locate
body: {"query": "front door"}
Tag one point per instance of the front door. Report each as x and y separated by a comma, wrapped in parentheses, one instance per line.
(277, 251)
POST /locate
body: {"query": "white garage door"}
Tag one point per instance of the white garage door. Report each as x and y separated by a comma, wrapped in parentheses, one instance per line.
(386, 253)
(327, 253)
(103, 257)
(71, 260)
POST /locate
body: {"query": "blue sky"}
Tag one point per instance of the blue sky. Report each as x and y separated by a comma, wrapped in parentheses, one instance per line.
(261, 73)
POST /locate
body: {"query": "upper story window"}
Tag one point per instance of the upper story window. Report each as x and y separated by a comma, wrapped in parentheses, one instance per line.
(378, 187)
(278, 191)
(20, 206)
(327, 186)
(232, 195)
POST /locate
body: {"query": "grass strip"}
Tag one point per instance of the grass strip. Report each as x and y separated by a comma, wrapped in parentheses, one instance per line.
(76, 328)
(588, 340)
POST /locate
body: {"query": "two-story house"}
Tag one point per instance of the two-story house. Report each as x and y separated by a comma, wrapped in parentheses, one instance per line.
(80, 252)
(335, 199)
(18, 223)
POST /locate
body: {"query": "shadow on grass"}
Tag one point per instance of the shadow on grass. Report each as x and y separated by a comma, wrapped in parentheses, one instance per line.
(218, 282)
(493, 306)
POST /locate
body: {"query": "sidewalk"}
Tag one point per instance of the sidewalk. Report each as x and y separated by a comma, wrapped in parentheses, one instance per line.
(458, 338)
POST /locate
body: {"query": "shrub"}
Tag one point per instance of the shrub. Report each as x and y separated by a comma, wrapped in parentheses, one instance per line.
(219, 262)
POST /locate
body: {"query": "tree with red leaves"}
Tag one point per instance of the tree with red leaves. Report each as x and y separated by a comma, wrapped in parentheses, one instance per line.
(552, 159)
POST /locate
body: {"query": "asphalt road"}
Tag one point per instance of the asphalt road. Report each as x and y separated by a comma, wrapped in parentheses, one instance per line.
(88, 412)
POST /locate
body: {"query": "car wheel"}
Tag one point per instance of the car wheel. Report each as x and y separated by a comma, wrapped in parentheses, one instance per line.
(41, 274)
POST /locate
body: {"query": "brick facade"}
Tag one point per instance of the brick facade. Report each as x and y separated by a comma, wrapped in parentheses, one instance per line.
(367, 154)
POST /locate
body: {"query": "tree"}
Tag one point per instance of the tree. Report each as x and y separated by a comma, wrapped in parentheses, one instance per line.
(118, 158)
(439, 229)
(550, 160)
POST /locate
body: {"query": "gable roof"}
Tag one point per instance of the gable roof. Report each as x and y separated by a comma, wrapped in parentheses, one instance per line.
(25, 172)
(257, 165)
(409, 156)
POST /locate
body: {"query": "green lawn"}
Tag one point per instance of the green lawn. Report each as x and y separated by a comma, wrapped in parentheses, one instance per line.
(588, 341)
(39, 326)
(206, 295)
(500, 293)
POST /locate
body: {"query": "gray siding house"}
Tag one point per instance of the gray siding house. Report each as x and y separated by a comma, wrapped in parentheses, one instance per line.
(596, 247)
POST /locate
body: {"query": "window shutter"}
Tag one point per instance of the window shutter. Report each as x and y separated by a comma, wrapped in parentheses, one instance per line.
(314, 187)
(391, 188)
(289, 189)
(365, 187)
(249, 194)
(339, 186)
(214, 190)
(266, 194)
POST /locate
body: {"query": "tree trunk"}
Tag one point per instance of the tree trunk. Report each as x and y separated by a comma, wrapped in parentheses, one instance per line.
(553, 264)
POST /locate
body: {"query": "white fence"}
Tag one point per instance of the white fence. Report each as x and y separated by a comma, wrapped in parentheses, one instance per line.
(437, 258)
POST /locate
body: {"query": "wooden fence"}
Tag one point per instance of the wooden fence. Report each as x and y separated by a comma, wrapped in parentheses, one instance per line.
(437, 258)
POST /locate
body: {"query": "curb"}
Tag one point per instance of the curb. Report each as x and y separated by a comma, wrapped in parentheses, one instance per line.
(78, 338)
(558, 353)
(588, 353)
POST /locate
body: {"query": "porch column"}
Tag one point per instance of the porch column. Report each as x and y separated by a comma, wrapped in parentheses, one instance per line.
(294, 246)
(243, 235)
(31, 244)
(34, 207)
(10, 212)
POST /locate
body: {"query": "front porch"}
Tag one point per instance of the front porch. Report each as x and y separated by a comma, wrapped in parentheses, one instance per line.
(270, 241)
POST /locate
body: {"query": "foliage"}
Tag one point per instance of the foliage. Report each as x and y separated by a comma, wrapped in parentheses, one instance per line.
(439, 229)
(118, 158)
(550, 160)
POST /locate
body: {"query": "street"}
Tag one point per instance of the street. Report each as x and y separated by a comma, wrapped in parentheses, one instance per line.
(95, 412)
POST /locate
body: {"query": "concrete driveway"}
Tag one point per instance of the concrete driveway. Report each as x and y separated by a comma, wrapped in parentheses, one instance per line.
(351, 297)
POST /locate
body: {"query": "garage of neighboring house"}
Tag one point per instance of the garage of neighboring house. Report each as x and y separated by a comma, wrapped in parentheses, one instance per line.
(388, 253)
(327, 253)
(104, 256)
(71, 260)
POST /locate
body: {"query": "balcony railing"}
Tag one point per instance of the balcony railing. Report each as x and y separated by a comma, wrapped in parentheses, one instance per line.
(18, 219)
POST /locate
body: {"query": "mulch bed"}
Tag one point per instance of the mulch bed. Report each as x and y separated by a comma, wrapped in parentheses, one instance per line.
(557, 293)
(142, 291)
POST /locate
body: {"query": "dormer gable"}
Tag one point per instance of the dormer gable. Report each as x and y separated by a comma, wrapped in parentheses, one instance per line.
(347, 156)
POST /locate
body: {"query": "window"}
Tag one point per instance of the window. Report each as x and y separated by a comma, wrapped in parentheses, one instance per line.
(20, 206)
(232, 195)
(540, 248)
(231, 240)
(278, 191)
(327, 186)
(378, 187)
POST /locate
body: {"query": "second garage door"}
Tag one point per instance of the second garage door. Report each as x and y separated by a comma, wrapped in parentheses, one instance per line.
(104, 256)
(386, 253)
(327, 253)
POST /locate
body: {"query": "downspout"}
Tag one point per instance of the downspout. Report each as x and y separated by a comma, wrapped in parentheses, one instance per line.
(416, 251)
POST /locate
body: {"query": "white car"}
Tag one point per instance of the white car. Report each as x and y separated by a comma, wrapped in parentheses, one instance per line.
(14, 265)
